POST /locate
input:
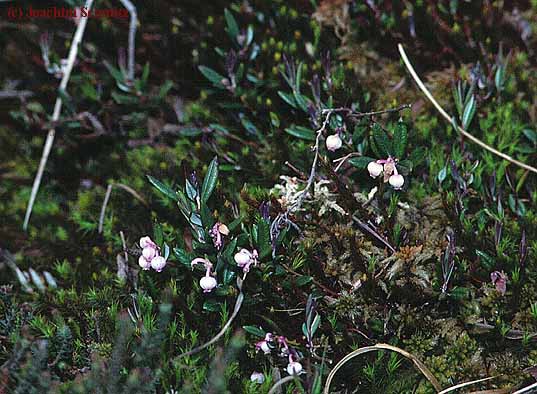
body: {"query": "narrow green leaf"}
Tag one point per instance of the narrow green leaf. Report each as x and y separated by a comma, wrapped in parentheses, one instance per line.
(274, 120)
(212, 305)
(302, 101)
(209, 182)
(303, 280)
(531, 135)
(254, 331)
(469, 111)
(301, 132)
(263, 238)
(190, 131)
(289, 99)
(232, 27)
(161, 187)
(360, 162)
(298, 78)
(315, 324)
(183, 257)
(249, 126)
(212, 76)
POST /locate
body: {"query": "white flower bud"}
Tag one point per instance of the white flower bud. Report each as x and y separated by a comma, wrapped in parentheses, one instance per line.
(265, 347)
(375, 169)
(223, 229)
(294, 368)
(257, 377)
(149, 252)
(207, 283)
(333, 142)
(158, 263)
(243, 257)
(145, 242)
(397, 181)
(143, 263)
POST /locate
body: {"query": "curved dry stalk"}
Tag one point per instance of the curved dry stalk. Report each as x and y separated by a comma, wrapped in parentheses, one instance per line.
(449, 118)
(280, 382)
(73, 51)
(236, 309)
(107, 197)
(382, 346)
(461, 385)
(526, 389)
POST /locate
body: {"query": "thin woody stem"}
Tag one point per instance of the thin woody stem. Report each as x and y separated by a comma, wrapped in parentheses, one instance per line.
(73, 51)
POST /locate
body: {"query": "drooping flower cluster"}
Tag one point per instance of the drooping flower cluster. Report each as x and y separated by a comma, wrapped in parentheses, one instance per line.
(216, 233)
(207, 282)
(273, 342)
(388, 167)
(499, 280)
(244, 259)
(150, 257)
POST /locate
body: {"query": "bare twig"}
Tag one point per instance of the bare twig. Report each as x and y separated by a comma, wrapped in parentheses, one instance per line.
(73, 51)
(124, 246)
(449, 118)
(357, 114)
(103, 207)
(342, 160)
(236, 309)
(132, 35)
(376, 235)
(20, 94)
(107, 197)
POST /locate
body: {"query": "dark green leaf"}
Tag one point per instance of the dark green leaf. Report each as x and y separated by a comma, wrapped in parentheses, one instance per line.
(212, 76)
(190, 131)
(315, 324)
(249, 126)
(254, 331)
(405, 167)
(211, 305)
(418, 156)
(161, 187)
(400, 137)
(382, 141)
(303, 280)
(531, 135)
(209, 182)
(263, 238)
(468, 114)
(183, 257)
(232, 27)
(289, 99)
(459, 293)
(302, 101)
(360, 162)
(487, 260)
(274, 120)
(301, 132)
